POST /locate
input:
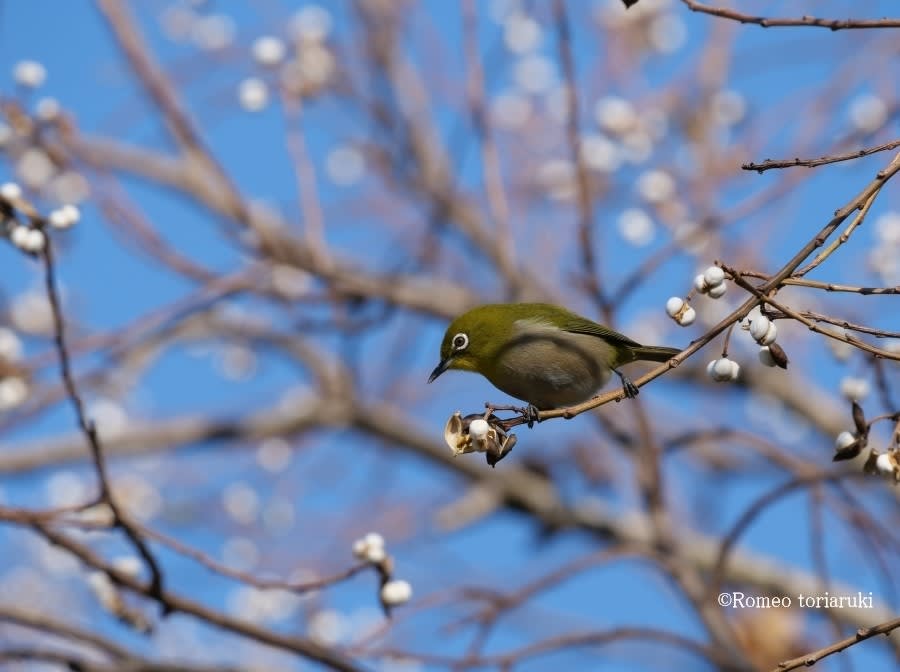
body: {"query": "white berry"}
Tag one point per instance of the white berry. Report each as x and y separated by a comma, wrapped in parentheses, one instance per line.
(770, 336)
(717, 291)
(758, 327)
(30, 74)
(714, 276)
(253, 94)
(359, 548)
(19, 237)
(723, 369)
(855, 389)
(884, 464)
(700, 284)
(11, 192)
(268, 50)
(64, 217)
(843, 440)
(478, 429)
(35, 241)
(765, 356)
(674, 306)
(374, 539)
(375, 554)
(396, 592)
(687, 317)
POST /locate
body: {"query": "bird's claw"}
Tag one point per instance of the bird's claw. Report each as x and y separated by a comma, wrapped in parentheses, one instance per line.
(532, 414)
(631, 390)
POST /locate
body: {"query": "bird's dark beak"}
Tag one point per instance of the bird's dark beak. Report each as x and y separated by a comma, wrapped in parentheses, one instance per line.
(439, 369)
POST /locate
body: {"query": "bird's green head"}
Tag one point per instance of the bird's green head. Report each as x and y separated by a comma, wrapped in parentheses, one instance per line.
(474, 339)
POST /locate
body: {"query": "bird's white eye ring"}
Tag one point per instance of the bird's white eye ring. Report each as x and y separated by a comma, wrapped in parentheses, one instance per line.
(460, 342)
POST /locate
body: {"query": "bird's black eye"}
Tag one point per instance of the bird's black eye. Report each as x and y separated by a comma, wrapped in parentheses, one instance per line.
(460, 341)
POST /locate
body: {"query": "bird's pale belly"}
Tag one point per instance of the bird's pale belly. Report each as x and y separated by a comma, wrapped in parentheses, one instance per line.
(551, 371)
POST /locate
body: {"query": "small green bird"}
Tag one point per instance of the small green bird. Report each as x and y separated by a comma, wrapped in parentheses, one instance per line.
(540, 353)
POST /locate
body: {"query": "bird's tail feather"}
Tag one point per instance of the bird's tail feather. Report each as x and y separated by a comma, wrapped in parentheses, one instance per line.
(655, 353)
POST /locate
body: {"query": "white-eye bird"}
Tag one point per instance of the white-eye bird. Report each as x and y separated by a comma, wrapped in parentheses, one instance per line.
(540, 353)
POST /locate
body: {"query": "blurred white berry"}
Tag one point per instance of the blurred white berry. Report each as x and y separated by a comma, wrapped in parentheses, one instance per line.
(375, 554)
(687, 317)
(600, 153)
(10, 345)
(534, 74)
(35, 241)
(311, 23)
(855, 389)
(887, 227)
(723, 369)
(47, 109)
(615, 115)
(700, 284)
(13, 391)
(30, 74)
(374, 539)
(868, 113)
(478, 429)
(345, 165)
(656, 186)
(636, 227)
(64, 217)
(718, 291)
(316, 63)
(510, 110)
(35, 168)
(714, 276)
(884, 464)
(728, 108)
(765, 356)
(253, 94)
(637, 146)
(843, 440)
(521, 33)
(19, 237)
(840, 349)
(268, 50)
(396, 592)
(360, 547)
(674, 306)
(12, 192)
(213, 32)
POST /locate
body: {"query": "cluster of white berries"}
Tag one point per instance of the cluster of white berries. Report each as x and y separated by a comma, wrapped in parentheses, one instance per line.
(711, 282)
(371, 549)
(723, 369)
(680, 311)
(29, 238)
(764, 332)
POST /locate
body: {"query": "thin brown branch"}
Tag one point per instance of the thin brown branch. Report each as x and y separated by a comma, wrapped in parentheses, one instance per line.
(770, 164)
(802, 21)
(810, 659)
(89, 430)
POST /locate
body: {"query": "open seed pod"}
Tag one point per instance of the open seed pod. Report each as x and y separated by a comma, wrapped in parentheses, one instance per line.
(477, 434)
